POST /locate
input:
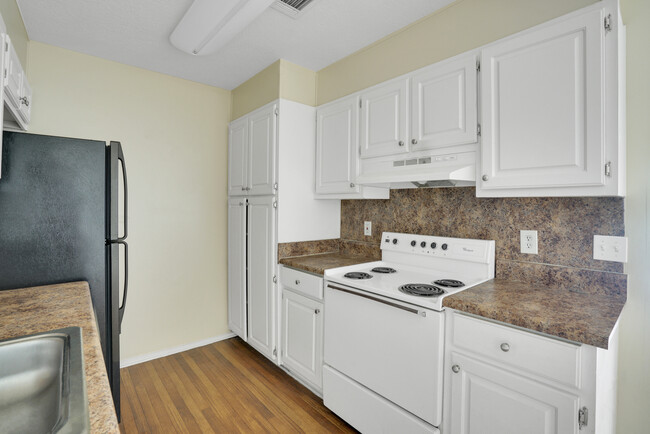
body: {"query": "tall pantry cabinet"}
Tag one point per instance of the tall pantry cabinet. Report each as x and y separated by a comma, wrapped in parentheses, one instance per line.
(271, 162)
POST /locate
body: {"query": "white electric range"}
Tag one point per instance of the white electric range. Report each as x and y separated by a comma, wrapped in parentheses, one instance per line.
(384, 330)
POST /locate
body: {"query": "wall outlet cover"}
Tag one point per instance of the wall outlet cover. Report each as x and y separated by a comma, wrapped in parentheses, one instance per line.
(608, 248)
(528, 241)
(367, 228)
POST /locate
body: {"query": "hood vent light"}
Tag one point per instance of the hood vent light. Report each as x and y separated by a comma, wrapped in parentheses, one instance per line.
(292, 8)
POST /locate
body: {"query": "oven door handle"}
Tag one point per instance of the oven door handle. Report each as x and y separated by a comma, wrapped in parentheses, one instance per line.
(379, 300)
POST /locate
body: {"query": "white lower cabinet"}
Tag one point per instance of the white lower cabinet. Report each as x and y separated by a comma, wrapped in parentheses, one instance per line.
(237, 266)
(302, 331)
(302, 326)
(505, 380)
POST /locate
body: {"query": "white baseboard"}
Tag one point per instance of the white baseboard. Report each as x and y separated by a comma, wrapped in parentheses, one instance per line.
(169, 351)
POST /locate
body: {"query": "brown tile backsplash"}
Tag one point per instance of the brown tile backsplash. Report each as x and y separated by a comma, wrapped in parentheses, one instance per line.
(303, 248)
(565, 227)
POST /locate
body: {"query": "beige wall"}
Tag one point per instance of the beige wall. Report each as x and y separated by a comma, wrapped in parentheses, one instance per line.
(634, 356)
(15, 28)
(462, 26)
(281, 79)
(174, 134)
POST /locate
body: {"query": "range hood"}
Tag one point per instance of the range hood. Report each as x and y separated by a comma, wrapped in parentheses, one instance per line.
(453, 170)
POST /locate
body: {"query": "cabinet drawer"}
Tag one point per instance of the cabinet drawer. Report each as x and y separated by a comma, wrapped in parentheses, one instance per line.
(555, 360)
(303, 283)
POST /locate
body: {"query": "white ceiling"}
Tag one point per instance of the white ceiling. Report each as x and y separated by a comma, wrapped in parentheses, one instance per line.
(136, 32)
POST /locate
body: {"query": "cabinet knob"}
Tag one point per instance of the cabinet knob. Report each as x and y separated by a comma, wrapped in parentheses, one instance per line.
(414, 141)
(297, 282)
(243, 189)
(248, 188)
(485, 177)
(352, 184)
(317, 311)
(456, 369)
(401, 143)
(505, 347)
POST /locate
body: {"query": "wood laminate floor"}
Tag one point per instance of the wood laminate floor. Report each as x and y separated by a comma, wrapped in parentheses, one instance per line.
(226, 387)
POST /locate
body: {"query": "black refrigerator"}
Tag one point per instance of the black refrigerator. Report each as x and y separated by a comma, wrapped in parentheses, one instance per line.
(59, 223)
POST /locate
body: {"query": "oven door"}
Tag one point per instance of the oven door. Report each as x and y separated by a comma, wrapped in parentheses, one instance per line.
(393, 348)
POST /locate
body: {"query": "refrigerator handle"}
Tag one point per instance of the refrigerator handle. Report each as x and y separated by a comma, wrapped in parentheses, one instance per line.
(122, 307)
(120, 157)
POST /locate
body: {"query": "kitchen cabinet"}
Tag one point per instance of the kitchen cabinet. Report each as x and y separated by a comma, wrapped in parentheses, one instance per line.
(384, 128)
(444, 104)
(302, 337)
(252, 156)
(551, 109)
(337, 152)
(17, 91)
(262, 263)
(237, 218)
(501, 379)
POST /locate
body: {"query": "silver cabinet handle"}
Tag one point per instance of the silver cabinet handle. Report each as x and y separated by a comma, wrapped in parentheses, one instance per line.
(421, 313)
(505, 347)
(352, 184)
(401, 143)
(414, 141)
(248, 189)
(317, 311)
(297, 282)
(456, 369)
(485, 177)
(243, 189)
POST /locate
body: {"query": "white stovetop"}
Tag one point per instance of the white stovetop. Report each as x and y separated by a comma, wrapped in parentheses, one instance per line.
(388, 284)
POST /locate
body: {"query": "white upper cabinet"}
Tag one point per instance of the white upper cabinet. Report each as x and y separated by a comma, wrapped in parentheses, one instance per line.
(549, 102)
(16, 89)
(443, 104)
(384, 119)
(262, 139)
(238, 157)
(252, 154)
(336, 147)
(337, 152)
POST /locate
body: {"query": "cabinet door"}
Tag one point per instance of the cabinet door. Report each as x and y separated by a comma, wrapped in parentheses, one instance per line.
(302, 336)
(337, 147)
(542, 107)
(261, 269)
(384, 120)
(238, 157)
(26, 100)
(237, 266)
(488, 400)
(262, 139)
(444, 105)
(13, 74)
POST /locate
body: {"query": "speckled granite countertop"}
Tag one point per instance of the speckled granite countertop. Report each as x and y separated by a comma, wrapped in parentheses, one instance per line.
(39, 309)
(578, 317)
(319, 263)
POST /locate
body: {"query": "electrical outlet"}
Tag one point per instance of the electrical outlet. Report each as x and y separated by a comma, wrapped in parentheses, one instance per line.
(367, 228)
(610, 248)
(528, 240)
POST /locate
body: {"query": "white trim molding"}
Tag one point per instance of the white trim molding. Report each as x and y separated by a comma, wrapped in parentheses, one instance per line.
(169, 351)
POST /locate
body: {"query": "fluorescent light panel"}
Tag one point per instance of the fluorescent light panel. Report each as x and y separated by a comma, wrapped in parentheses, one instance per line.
(208, 25)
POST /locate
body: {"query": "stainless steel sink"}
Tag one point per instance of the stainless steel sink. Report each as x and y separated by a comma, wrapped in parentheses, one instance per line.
(42, 384)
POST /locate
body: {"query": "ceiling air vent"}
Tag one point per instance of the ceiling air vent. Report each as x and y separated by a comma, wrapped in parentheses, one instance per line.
(292, 8)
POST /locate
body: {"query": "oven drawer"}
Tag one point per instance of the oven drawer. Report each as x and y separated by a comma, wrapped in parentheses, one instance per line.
(390, 347)
(539, 355)
(365, 410)
(303, 283)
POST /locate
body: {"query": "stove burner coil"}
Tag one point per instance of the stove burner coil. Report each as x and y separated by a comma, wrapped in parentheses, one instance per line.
(383, 270)
(449, 283)
(357, 275)
(421, 289)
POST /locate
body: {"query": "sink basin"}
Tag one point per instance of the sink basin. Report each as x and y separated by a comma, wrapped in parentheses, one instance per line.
(42, 384)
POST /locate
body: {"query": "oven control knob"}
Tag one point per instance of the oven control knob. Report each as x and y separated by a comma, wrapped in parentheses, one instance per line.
(394, 240)
(434, 245)
(413, 243)
(423, 244)
(444, 246)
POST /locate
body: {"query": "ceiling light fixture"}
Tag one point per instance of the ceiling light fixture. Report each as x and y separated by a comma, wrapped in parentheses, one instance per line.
(208, 25)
